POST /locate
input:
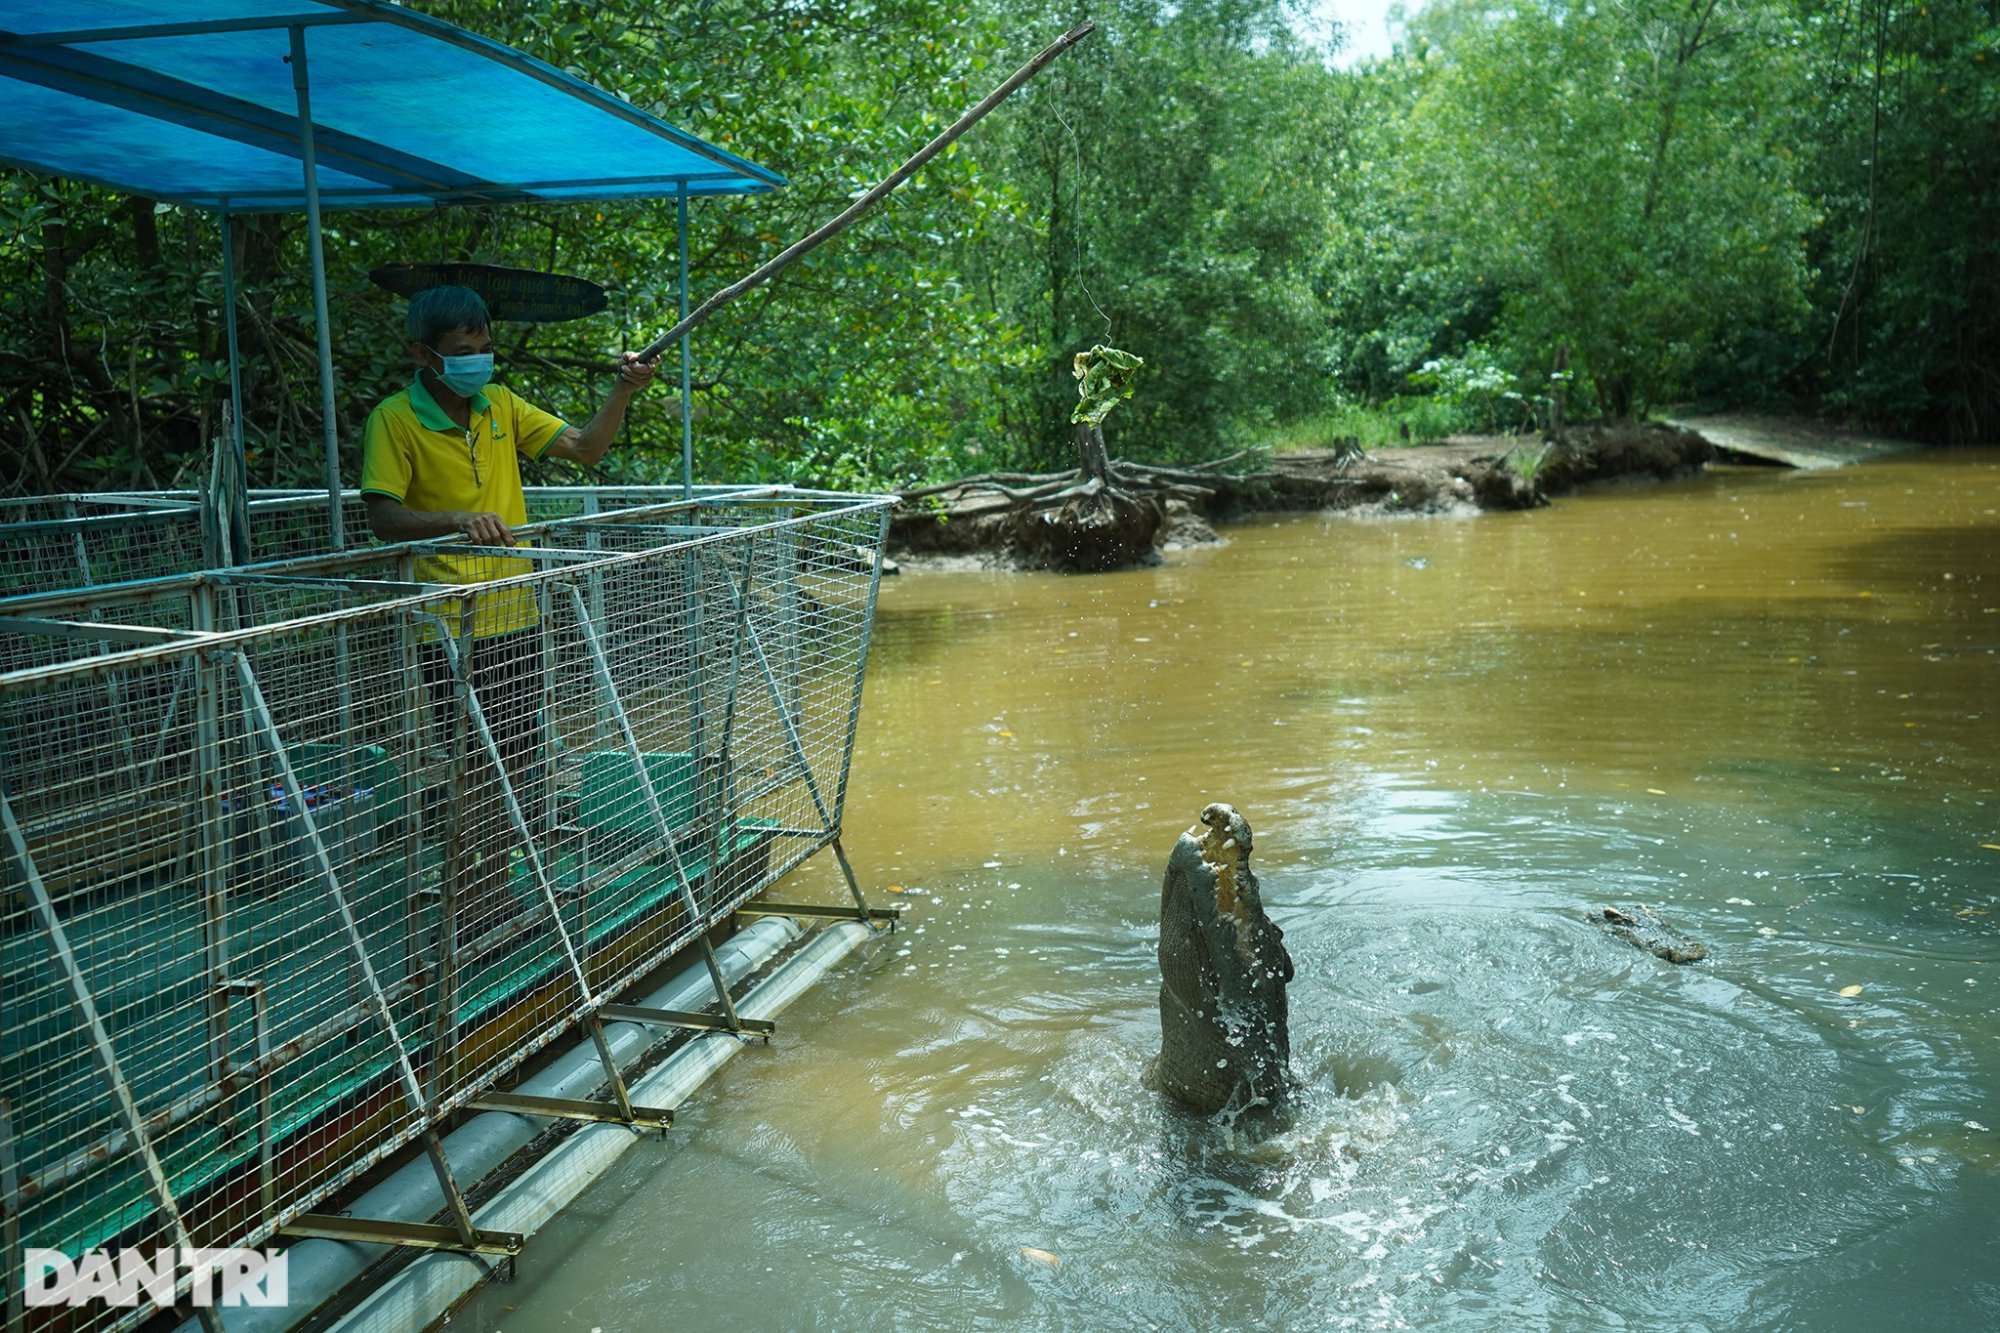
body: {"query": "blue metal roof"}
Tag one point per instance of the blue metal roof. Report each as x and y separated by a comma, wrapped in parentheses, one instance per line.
(195, 103)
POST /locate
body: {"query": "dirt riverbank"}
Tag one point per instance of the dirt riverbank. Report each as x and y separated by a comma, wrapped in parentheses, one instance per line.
(1462, 474)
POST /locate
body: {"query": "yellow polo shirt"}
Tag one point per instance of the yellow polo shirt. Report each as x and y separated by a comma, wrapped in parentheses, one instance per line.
(414, 453)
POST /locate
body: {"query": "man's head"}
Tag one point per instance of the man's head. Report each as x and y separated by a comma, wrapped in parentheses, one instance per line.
(449, 337)
(437, 312)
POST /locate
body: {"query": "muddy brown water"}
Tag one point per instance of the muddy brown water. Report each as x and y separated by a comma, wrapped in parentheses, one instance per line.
(1765, 703)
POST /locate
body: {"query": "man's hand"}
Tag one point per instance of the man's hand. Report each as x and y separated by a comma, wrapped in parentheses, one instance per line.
(392, 521)
(634, 374)
(484, 529)
(587, 446)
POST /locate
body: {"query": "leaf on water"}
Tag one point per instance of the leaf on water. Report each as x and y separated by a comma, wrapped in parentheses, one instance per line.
(1850, 991)
(1654, 791)
(1008, 734)
(1991, 846)
(1042, 1257)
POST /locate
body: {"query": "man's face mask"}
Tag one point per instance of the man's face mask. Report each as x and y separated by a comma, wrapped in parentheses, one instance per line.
(464, 375)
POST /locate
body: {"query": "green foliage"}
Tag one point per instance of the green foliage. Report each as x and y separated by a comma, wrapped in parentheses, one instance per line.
(1171, 186)
(1735, 198)
(1477, 389)
(1906, 325)
(1395, 294)
(1621, 174)
(860, 365)
(864, 363)
(1526, 460)
(1105, 378)
(1406, 419)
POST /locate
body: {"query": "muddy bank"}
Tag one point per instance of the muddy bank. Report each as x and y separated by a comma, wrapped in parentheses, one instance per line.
(1463, 474)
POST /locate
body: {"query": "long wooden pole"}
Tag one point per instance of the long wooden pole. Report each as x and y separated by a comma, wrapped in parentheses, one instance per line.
(867, 201)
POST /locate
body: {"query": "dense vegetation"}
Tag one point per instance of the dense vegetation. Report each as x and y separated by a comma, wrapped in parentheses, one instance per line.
(1748, 201)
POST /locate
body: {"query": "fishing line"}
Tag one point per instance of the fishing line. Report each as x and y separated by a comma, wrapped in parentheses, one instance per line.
(1076, 212)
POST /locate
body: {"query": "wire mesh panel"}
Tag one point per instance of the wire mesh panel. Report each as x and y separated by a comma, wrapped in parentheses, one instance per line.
(83, 541)
(286, 525)
(301, 858)
(49, 543)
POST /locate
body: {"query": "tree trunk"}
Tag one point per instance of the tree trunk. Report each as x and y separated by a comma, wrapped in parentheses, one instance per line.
(1093, 459)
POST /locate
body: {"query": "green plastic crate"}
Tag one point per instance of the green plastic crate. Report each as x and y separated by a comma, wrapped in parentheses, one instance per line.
(611, 796)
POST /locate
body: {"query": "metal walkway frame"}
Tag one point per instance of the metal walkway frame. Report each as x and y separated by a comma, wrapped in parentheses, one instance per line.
(293, 876)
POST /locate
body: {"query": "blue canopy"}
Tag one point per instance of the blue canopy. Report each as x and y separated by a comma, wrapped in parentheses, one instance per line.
(200, 104)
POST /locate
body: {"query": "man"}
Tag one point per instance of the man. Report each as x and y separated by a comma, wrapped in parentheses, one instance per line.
(426, 472)
(441, 459)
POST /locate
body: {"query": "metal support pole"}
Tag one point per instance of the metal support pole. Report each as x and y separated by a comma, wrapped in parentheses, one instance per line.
(828, 817)
(321, 325)
(854, 708)
(239, 517)
(411, 1235)
(149, 773)
(411, 824)
(593, 540)
(721, 807)
(343, 674)
(77, 544)
(538, 871)
(614, 707)
(715, 974)
(693, 641)
(265, 724)
(469, 1235)
(260, 1024)
(543, 793)
(444, 1033)
(12, 1269)
(853, 885)
(790, 724)
(860, 668)
(687, 363)
(531, 851)
(84, 1005)
(210, 802)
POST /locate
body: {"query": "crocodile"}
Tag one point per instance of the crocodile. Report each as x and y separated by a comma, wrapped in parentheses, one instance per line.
(1640, 926)
(1225, 1041)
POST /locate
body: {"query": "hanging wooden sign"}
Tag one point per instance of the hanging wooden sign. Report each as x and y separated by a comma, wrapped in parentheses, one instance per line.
(513, 295)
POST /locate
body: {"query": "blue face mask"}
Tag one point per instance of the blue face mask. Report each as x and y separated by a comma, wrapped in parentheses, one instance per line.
(465, 375)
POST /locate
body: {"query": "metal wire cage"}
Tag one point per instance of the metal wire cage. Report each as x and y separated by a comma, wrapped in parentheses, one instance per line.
(304, 856)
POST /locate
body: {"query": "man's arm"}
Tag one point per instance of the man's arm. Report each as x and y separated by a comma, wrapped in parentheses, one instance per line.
(393, 521)
(587, 446)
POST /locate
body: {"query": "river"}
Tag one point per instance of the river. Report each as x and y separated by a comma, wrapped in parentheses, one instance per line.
(1765, 703)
